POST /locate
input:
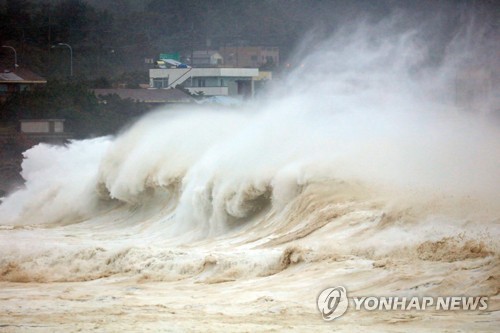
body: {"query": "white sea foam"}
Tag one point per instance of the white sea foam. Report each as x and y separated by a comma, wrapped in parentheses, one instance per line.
(361, 159)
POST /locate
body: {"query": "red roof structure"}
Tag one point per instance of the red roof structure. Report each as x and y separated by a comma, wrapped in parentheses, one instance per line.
(20, 75)
(21, 79)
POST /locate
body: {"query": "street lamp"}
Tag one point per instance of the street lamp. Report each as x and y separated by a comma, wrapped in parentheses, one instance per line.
(70, 54)
(15, 55)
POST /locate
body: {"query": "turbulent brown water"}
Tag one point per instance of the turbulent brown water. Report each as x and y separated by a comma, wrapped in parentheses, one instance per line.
(362, 172)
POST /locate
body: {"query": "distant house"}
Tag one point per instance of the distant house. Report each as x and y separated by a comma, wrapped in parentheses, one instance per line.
(250, 56)
(235, 82)
(149, 96)
(206, 59)
(44, 130)
(19, 80)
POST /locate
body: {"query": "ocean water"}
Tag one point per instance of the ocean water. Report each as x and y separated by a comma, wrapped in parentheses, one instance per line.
(359, 169)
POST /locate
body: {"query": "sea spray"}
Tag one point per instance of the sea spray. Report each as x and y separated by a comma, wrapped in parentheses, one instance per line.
(360, 153)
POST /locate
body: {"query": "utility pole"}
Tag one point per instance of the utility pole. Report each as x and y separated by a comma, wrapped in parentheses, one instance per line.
(15, 55)
(70, 55)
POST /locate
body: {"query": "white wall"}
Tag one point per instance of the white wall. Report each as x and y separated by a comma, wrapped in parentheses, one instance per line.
(35, 127)
(42, 126)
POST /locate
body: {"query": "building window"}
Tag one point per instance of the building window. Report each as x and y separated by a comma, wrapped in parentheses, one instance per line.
(3, 89)
(254, 58)
(161, 82)
(201, 83)
(58, 127)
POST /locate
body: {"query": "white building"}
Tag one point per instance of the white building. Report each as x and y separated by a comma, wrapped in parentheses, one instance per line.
(209, 81)
(42, 126)
(45, 130)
